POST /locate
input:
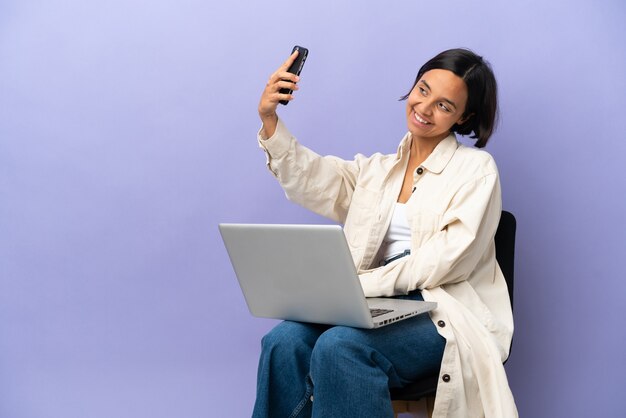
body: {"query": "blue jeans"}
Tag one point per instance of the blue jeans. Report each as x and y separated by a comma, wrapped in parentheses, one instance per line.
(311, 370)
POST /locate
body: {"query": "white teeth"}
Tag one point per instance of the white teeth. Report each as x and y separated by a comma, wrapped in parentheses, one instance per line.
(420, 119)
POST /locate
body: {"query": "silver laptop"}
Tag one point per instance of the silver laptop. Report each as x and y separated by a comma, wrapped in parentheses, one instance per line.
(305, 273)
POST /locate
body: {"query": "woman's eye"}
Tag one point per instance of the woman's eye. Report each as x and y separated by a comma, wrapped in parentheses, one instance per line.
(423, 91)
(444, 107)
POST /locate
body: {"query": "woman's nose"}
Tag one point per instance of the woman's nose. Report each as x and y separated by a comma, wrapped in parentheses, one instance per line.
(425, 107)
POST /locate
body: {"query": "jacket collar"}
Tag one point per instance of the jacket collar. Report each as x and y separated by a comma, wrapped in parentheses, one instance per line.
(438, 159)
(442, 154)
(404, 147)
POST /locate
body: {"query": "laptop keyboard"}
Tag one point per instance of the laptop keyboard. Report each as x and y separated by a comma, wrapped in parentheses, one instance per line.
(378, 312)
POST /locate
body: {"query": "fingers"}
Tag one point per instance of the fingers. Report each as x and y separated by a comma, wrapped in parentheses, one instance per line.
(275, 85)
(280, 97)
(289, 61)
(272, 94)
(278, 86)
(280, 75)
(284, 84)
(275, 91)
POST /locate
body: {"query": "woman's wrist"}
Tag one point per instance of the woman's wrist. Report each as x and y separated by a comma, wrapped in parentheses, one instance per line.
(269, 124)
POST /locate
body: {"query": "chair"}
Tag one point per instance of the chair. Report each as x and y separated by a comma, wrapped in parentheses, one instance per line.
(405, 399)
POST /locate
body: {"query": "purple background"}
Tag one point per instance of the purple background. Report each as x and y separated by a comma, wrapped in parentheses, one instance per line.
(127, 132)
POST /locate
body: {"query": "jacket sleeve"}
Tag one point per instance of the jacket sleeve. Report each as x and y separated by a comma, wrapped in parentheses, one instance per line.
(466, 231)
(323, 185)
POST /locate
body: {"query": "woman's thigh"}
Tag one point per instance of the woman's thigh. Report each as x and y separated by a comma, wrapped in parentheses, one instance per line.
(289, 336)
(413, 346)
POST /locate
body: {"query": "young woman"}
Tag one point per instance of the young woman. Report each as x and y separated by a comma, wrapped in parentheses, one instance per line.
(420, 224)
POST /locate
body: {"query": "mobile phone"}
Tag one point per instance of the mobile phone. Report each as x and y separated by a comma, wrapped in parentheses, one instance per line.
(295, 68)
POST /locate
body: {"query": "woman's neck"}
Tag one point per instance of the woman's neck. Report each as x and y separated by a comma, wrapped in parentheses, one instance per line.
(421, 148)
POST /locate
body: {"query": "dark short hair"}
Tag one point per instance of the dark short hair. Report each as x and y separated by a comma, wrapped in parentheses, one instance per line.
(482, 91)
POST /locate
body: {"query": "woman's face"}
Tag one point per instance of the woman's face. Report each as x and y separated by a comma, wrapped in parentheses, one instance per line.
(435, 104)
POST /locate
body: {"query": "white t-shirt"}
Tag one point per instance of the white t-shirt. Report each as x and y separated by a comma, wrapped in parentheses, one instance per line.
(398, 237)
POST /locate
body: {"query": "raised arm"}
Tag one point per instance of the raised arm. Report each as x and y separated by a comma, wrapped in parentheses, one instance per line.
(322, 184)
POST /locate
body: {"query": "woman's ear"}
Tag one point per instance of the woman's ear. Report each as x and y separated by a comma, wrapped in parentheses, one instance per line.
(464, 119)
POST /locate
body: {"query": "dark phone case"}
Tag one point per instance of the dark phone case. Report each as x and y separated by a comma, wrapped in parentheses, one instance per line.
(295, 68)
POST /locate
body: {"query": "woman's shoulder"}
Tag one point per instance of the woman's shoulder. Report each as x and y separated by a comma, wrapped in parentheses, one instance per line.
(473, 159)
(385, 160)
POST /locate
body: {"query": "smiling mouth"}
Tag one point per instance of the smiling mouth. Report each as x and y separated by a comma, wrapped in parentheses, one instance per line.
(421, 120)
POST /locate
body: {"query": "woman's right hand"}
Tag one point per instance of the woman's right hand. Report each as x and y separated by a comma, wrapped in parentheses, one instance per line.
(272, 95)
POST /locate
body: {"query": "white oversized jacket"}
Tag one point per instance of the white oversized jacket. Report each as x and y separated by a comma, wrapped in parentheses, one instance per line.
(453, 214)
